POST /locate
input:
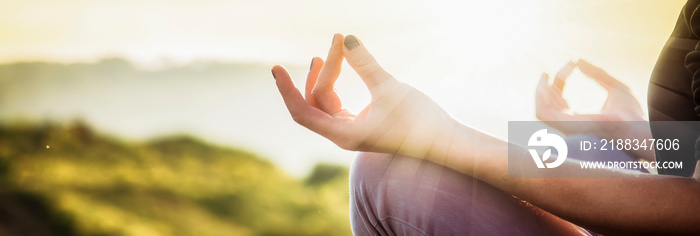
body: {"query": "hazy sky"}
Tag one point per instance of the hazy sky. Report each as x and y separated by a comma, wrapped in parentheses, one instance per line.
(478, 59)
(274, 30)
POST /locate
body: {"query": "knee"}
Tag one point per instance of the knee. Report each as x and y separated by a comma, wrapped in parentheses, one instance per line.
(365, 174)
(366, 168)
(391, 194)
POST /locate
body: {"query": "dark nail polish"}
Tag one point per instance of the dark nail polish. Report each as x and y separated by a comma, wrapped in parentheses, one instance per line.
(312, 64)
(351, 42)
(333, 42)
(273, 74)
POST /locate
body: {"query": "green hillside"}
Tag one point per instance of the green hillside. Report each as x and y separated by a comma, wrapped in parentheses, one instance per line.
(68, 180)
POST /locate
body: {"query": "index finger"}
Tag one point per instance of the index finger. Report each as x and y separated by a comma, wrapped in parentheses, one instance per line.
(331, 69)
(599, 75)
(563, 74)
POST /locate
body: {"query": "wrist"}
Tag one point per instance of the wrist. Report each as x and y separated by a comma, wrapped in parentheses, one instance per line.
(472, 152)
(442, 146)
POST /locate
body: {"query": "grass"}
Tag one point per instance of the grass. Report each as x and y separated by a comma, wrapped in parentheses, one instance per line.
(68, 180)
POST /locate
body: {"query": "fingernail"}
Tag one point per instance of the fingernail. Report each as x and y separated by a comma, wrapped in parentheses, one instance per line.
(351, 42)
(312, 64)
(333, 42)
(273, 74)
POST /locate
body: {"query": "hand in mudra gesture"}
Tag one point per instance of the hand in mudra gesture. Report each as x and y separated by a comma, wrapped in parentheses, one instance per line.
(620, 104)
(399, 119)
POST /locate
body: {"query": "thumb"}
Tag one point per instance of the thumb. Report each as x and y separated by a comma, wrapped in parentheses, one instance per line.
(599, 75)
(364, 63)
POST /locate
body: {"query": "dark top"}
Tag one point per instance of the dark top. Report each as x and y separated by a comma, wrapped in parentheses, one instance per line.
(673, 95)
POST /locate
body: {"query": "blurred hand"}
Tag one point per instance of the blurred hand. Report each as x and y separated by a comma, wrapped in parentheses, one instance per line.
(620, 104)
(399, 118)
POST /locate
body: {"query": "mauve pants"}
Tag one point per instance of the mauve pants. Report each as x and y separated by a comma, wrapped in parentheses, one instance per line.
(397, 195)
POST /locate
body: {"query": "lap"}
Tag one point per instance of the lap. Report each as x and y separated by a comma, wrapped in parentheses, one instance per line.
(397, 195)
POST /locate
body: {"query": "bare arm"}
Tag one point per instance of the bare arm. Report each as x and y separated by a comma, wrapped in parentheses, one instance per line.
(402, 120)
(622, 204)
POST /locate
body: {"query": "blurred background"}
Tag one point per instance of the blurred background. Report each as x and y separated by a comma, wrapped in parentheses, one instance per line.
(161, 117)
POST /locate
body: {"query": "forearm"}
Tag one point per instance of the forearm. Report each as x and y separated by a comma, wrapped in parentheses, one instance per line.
(638, 130)
(618, 204)
(604, 127)
(635, 206)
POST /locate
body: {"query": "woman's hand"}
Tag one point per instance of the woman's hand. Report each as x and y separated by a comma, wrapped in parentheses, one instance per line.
(399, 118)
(620, 104)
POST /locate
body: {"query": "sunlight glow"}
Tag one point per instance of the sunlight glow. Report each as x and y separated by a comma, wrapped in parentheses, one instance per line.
(483, 33)
(480, 60)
